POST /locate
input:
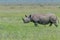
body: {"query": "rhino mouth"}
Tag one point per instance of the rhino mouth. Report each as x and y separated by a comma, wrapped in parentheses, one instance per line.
(26, 22)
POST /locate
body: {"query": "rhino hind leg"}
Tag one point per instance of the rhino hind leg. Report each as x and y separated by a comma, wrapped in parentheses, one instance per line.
(55, 24)
(51, 24)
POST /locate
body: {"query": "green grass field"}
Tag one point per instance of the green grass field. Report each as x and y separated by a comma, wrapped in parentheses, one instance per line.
(13, 28)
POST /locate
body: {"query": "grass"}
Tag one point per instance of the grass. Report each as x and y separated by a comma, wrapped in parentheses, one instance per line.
(13, 28)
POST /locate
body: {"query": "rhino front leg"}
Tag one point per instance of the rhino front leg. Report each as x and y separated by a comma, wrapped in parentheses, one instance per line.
(35, 24)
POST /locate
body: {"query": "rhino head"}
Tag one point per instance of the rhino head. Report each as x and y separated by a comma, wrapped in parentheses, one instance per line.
(27, 19)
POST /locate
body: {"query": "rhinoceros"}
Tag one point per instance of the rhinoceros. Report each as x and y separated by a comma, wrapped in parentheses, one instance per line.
(43, 19)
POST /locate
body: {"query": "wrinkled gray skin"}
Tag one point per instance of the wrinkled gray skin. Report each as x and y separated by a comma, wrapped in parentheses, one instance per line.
(41, 19)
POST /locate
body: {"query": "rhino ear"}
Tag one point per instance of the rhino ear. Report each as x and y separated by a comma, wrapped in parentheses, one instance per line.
(30, 16)
(25, 15)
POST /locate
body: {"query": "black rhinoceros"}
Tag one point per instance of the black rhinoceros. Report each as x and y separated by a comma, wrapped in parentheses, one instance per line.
(41, 19)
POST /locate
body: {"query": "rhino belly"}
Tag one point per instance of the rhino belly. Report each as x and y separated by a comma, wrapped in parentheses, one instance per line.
(44, 22)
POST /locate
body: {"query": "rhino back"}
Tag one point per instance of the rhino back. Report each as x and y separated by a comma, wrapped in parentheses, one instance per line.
(39, 17)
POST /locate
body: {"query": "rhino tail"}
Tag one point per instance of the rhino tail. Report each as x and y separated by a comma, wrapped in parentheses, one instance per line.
(58, 20)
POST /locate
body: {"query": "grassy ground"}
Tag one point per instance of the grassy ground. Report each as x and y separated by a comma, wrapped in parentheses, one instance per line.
(13, 28)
